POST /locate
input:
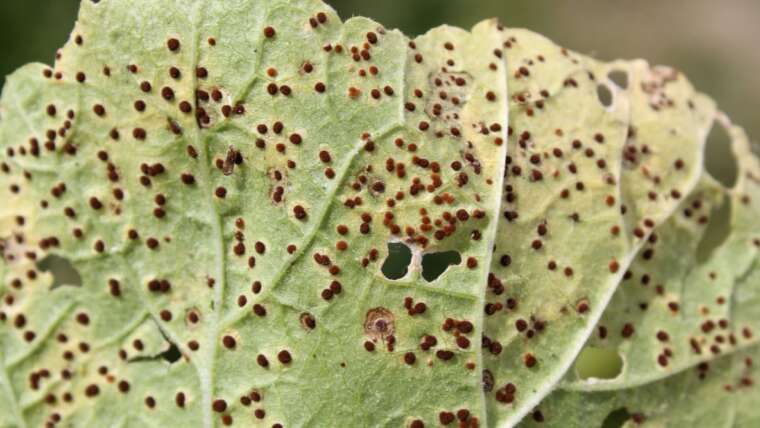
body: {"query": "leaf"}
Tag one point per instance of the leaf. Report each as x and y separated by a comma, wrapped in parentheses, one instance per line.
(554, 193)
(684, 317)
(588, 179)
(677, 306)
(225, 176)
(716, 395)
(249, 212)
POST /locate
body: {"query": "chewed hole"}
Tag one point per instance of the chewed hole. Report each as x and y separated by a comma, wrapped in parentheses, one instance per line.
(435, 264)
(604, 94)
(718, 229)
(62, 270)
(719, 160)
(599, 363)
(616, 418)
(396, 265)
(619, 78)
(172, 354)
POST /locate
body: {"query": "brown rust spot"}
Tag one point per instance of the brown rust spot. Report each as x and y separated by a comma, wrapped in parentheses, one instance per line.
(307, 321)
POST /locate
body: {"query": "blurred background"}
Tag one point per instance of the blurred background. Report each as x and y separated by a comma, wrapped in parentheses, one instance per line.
(714, 42)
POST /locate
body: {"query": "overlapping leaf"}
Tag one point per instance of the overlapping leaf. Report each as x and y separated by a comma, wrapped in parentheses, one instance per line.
(716, 395)
(593, 167)
(683, 320)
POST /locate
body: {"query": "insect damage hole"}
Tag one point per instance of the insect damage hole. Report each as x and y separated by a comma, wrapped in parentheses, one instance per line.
(619, 78)
(616, 418)
(435, 264)
(718, 229)
(171, 355)
(64, 273)
(598, 363)
(396, 265)
(719, 159)
(604, 94)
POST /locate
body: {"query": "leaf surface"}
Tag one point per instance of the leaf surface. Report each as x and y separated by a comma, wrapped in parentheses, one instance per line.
(247, 212)
(588, 180)
(225, 176)
(689, 357)
(716, 395)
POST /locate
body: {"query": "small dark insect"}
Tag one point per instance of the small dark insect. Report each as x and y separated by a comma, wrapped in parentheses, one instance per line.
(230, 161)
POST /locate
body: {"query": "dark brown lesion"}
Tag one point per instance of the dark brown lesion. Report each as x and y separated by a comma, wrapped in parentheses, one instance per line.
(278, 185)
(308, 321)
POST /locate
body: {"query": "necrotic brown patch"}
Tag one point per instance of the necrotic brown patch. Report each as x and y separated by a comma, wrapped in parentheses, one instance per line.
(379, 323)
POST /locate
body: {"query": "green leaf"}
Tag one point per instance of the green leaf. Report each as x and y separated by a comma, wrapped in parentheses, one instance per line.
(225, 176)
(677, 306)
(247, 212)
(682, 317)
(589, 177)
(554, 194)
(719, 394)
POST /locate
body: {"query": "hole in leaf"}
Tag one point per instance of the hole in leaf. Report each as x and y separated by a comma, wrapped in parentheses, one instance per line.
(435, 264)
(719, 160)
(599, 363)
(718, 229)
(172, 354)
(619, 78)
(616, 418)
(397, 264)
(604, 94)
(62, 270)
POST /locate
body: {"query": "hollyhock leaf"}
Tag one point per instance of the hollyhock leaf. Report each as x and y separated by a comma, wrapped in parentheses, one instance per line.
(591, 172)
(199, 197)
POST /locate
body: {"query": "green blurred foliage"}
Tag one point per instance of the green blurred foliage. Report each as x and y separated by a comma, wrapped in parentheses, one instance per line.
(32, 30)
